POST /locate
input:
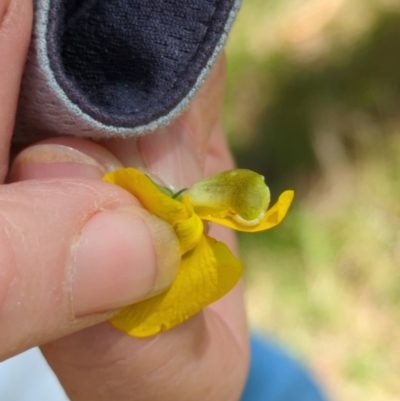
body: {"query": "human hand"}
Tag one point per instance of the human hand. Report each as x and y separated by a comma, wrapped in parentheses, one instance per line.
(48, 237)
(204, 358)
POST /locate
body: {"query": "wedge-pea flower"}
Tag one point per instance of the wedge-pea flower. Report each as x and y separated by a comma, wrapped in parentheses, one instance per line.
(237, 199)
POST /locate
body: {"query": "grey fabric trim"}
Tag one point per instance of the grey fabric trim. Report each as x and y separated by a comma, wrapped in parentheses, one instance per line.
(45, 109)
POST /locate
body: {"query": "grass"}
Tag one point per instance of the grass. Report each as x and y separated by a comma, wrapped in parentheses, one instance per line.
(313, 102)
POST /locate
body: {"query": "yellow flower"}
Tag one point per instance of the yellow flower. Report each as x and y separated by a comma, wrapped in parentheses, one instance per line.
(238, 199)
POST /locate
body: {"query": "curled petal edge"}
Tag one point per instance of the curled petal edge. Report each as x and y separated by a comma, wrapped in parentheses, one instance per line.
(207, 273)
(272, 217)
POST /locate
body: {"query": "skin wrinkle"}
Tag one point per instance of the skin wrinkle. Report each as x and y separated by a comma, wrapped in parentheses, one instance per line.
(56, 187)
(121, 360)
(13, 279)
(164, 367)
(86, 365)
(166, 370)
(79, 323)
(16, 236)
(160, 160)
(34, 202)
(132, 380)
(240, 351)
(9, 271)
(64, 330)
(98, 154)
(68, 282)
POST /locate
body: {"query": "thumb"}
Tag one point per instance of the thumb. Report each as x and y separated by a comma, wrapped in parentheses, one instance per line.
(71, 249)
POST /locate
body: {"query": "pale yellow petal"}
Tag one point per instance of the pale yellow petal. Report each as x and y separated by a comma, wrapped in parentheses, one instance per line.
(272, 217)
(235, 192)
(206, 274)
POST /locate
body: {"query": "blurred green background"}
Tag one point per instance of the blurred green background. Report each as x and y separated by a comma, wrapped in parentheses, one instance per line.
(313, 103)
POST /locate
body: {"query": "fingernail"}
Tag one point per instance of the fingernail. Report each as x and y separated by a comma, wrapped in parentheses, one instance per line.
(121, 257)
(55, 160)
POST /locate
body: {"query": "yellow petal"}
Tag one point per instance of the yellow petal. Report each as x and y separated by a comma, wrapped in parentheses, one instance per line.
(237, 192)
(180, 214)
(206, 274)
(190, 230)
(272, 217)
(152, 199)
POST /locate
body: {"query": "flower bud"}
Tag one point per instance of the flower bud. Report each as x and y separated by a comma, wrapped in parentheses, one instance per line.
(240, 194)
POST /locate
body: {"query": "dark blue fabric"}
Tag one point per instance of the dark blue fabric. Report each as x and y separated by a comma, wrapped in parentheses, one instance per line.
(274, 376)
(128, 62)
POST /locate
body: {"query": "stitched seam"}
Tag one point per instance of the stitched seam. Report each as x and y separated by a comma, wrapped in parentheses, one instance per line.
(157, 120)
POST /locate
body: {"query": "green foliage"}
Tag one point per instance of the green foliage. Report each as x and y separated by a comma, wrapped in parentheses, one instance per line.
(322, 115)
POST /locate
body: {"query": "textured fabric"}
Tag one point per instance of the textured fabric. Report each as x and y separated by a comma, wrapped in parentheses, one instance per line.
(275, 376)
(117, 67)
